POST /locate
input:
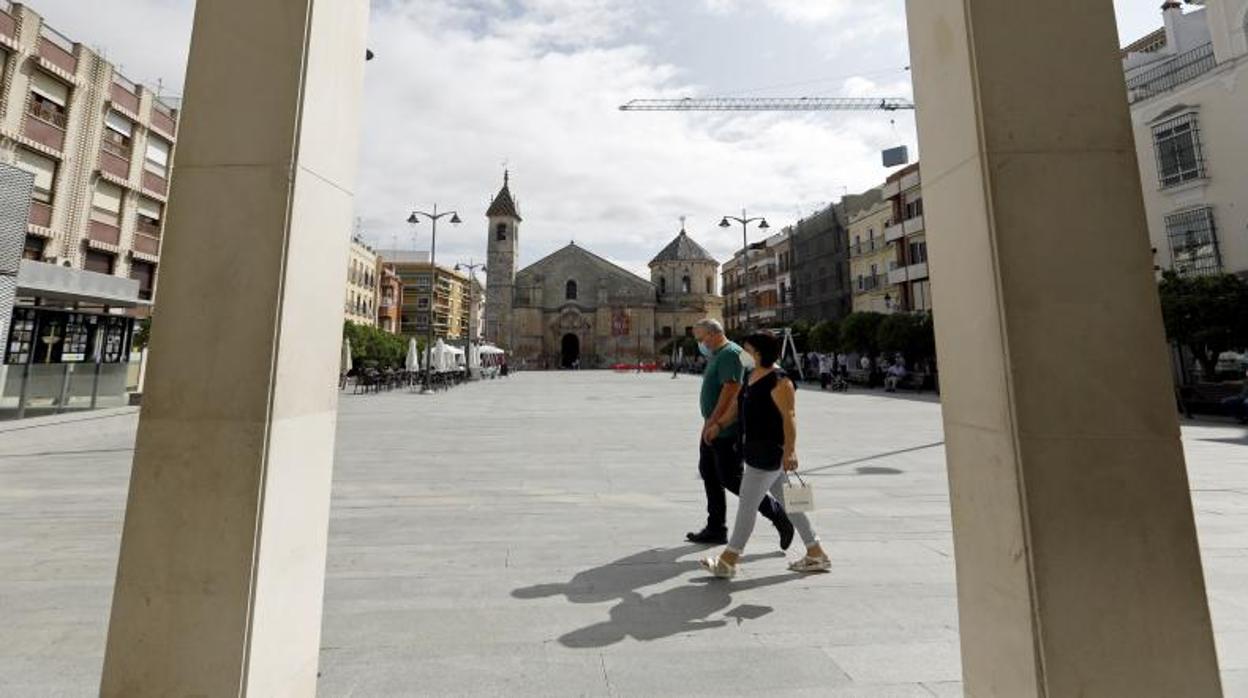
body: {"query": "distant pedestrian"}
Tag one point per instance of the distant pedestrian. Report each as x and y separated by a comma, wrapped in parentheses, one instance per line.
(826, 364)
(1237, 406)
(842, 363)
(768, 411)
(896, 374)
(719, 450)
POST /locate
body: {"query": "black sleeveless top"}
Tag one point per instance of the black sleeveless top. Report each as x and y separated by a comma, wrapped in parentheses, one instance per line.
(762, 424)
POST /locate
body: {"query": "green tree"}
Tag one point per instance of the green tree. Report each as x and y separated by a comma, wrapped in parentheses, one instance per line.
(144, 336)
(910, 334)
(372, 346)
(860, 333)
(1206, 314)
(825, 337)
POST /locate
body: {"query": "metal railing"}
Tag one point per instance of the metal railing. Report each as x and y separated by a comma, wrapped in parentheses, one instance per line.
(125, 83)
(1181, 69)
(48, 114)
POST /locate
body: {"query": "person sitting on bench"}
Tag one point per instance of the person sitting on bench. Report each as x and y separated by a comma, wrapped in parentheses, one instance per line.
(896, 374)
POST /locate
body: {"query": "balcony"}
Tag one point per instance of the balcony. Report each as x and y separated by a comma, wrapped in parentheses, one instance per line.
(58, 50)
(106, 233)
(41, 214)
(890, 190)
(8, 24)
(164, 121)
(124, 98)
(146, 243)
(913, 225)
(45, 126)
(115, 160)
(894, 232)
(914, 272)
(872, 283)
(1171, 74)
(155, 183)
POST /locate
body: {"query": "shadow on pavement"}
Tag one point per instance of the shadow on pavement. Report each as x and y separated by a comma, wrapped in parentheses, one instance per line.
(682, 609)
(679, 610)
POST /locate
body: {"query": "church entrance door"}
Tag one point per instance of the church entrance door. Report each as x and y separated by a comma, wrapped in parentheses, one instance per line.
(571, 350)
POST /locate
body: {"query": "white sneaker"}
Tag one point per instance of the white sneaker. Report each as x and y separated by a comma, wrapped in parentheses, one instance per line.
(808, 565)
(718, 567)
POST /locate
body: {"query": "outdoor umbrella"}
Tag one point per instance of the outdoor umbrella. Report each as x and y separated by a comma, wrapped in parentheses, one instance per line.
(413, 356)
(346, 364)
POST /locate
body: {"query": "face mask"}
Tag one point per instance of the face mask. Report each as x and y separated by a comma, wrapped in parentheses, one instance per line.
(705, 350)
(747, 361)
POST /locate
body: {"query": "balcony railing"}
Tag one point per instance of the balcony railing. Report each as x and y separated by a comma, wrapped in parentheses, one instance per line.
(114, 164)
(1181, 69)
(57, 49)
(155, 183)
(162, 121)
(8, 23)
(41, 214)
(44, 125)
(103, 232)
(146, 243)
(124, 97)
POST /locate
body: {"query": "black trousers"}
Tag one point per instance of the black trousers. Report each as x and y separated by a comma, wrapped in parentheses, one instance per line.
(721, 466)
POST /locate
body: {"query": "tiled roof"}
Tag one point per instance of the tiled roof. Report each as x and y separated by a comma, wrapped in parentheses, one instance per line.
(503, 204)
(683, 249)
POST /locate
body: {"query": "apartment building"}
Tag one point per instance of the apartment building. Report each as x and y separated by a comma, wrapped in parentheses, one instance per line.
(1187, 84)
(363, 284)
(99, 146)
(871, 257)
(908, 234)
(819, 283)
(438, 295)
(390, 298)
(752, 294)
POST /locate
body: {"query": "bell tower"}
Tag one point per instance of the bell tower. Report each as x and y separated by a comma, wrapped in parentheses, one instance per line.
(503, 247)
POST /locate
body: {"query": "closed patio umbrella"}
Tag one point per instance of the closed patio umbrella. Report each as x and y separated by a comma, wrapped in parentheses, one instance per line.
(346, 364)
(413, 356)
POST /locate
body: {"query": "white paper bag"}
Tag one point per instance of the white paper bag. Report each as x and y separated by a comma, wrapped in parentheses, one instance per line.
(799, 497)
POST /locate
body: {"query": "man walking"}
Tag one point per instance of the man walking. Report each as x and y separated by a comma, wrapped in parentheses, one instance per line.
(719, 455)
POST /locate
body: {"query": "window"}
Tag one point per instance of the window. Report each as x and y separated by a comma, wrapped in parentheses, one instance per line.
(99, 262)
(106, 203)
(150, 215)
(1194, 242)
(145, 274)
(44, 170)
(918, 252)
(424, 281)
(686, 284)
(570, 290)
(33, 249)
(118, 134)
(914, 208)
(49, 99)
(500, 232)
(1179, 157)
(784, 293)
(422, 303)
(667, 332)
(157, 160)
(662, 284)
(710, 285)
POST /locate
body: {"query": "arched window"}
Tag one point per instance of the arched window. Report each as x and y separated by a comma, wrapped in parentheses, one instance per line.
(662, 284)
(500, 232)
(686, 284)
(570, 290)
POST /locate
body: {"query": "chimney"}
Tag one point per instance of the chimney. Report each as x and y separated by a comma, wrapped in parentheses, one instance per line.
(1172, 13)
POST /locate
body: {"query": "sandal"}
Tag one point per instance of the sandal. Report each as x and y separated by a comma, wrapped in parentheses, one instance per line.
(809, 565)
(718, 567)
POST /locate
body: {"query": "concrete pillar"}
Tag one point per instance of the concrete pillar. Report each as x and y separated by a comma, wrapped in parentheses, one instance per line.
(222, 566)
(1078, 567)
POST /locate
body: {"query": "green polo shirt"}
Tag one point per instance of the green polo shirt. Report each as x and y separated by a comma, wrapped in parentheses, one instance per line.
(724, 366)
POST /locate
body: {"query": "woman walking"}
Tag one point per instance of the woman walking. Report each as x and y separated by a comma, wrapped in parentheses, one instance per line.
(768, 411)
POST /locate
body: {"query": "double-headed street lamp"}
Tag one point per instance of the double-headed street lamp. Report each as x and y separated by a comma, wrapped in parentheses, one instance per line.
(433, 283)
(471, 267)
(745, 222)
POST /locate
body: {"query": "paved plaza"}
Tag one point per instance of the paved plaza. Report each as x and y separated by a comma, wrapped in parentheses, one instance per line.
(523, 537)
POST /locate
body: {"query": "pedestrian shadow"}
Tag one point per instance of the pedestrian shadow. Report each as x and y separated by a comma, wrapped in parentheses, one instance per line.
(683, 609)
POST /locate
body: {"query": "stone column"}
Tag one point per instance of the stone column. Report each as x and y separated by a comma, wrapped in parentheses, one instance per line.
(1078, 566)
(222, 566)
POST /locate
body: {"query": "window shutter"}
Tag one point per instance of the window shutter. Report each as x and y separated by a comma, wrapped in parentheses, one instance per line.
(150, 209)
(119, 123)
(107, 197)
(44, 169)
(49, 87)
(158, 151)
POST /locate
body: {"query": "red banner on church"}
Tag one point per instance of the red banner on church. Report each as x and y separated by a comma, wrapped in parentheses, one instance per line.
(620, 324)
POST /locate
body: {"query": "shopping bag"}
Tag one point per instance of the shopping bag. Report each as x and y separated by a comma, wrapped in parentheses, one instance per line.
(799, 498)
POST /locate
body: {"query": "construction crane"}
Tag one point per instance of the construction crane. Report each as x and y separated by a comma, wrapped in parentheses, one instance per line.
(771, 104)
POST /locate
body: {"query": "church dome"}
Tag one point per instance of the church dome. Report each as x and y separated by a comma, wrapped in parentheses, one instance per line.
(683, 249)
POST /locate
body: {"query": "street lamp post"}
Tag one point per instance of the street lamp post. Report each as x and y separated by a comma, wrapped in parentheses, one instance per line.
(745, 222)
(433, 286)
(472, 268)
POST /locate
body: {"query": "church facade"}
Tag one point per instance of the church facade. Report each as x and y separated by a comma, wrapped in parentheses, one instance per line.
(575, 308)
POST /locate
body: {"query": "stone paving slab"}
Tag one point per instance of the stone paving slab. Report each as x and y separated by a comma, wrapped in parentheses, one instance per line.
(523, 537)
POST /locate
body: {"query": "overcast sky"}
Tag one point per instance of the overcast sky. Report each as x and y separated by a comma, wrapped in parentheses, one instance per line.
(461, 86)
